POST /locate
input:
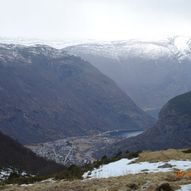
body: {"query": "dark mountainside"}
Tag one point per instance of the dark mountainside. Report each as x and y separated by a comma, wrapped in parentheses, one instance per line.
(172, 130)
(46, 94)
(151, 73)
(14, 155)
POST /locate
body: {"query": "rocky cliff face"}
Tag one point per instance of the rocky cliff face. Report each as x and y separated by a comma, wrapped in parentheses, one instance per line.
(172, 130)
(46, 94)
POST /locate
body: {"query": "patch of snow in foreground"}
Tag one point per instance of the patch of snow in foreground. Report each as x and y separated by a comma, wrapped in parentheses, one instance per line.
(51, 180)
(26, 185)
(5, 173)
(185, 188)
(125, 166)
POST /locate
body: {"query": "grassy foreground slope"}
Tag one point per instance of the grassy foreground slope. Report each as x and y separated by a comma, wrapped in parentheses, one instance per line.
(143, 181)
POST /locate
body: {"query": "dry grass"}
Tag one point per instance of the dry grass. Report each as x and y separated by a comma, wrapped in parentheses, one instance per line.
(147, 182)
(164, 155)
(139, 182)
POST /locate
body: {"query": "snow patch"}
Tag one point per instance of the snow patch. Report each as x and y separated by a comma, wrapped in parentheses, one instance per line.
(5, 173)
(125, 166)
(185, 188)
(182, 43)
(26, 185)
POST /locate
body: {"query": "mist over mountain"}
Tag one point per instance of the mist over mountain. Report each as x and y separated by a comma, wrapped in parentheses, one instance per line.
(151, 72)
(46, 94)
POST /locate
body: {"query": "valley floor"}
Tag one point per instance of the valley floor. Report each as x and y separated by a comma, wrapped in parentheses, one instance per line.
(79, 150)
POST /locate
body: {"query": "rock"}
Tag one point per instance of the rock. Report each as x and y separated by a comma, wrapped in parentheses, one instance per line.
(146, 185)
(132, 186)
(166, 165)
(164, 187)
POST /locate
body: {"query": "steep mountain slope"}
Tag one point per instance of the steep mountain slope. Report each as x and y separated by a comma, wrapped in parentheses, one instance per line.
(46, 95)
(14, 155)
(172, 130)
(150, 72)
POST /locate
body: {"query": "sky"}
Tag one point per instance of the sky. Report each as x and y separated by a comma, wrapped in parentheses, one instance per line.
(95, 19)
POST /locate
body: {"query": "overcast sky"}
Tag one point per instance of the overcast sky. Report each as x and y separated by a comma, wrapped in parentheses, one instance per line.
(95, 19)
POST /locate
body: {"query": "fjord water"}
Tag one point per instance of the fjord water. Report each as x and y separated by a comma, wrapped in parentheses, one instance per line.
(124, 133)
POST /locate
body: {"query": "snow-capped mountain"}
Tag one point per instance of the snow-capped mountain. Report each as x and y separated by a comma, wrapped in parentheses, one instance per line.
(56, 43)
(178, 45)
(150, 72)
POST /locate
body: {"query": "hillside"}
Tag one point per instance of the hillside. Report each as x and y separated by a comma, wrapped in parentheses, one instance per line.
(152, 171)
(150, 72)
(13, 155)
(46, 94)
(172, 130)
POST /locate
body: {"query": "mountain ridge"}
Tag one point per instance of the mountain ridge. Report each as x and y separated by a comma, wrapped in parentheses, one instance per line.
(15, 156)
(172, 130)
(150, 72)
(47, 94)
